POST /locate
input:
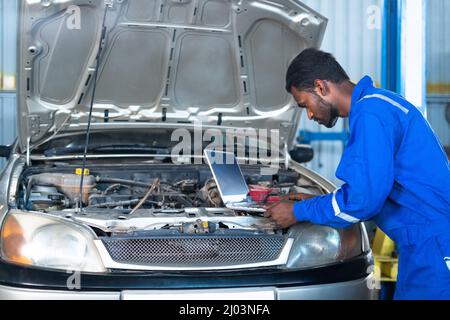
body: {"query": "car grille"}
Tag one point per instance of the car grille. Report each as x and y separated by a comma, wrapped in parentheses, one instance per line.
(195, 251)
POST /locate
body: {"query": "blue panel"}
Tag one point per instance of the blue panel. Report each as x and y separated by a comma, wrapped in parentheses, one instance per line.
(391, 46)
(307, 137)
(8, 38)
(8, 129)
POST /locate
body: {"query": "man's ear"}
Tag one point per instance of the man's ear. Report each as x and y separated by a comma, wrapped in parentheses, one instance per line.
(321, 88)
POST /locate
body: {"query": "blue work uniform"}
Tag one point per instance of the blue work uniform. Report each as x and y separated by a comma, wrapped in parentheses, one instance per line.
(396, 173)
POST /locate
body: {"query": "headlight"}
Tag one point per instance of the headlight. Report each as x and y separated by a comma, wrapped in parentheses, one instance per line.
(319, 245)
(37, 240)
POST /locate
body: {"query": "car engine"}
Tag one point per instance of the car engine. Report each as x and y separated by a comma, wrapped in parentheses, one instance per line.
(182, 198)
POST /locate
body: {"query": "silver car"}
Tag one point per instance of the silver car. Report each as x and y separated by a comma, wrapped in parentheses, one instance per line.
(162, 77)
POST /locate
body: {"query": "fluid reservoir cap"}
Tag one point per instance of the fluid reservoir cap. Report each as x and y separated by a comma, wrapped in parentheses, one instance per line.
(78, 171)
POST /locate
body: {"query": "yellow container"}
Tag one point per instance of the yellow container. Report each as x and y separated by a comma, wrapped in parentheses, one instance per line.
(382, 244)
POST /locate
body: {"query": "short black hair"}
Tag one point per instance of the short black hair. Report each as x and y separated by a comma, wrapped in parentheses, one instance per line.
(311, 65)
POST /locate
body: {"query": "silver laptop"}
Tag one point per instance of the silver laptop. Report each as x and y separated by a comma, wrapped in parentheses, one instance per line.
(230, 181)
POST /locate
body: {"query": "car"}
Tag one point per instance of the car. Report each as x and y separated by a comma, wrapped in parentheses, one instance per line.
(106, 194)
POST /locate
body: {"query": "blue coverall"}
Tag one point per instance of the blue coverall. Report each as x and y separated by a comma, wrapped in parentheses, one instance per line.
(396, 173)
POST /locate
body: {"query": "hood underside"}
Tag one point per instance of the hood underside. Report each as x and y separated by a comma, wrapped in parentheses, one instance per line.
(168, 62)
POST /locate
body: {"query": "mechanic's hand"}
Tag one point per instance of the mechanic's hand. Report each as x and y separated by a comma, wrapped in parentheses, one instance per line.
(282, 213)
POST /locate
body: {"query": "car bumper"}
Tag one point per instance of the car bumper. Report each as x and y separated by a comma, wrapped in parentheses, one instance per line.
(352, 290)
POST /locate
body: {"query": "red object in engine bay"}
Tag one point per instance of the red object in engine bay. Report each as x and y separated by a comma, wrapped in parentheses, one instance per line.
(264, 195)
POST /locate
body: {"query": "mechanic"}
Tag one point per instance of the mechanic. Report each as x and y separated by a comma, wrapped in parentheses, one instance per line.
(394, 170)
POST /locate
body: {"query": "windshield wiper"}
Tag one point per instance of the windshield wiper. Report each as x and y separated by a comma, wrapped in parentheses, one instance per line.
(112, 148)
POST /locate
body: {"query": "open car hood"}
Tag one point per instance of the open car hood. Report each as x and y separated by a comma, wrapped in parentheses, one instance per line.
(163, 62)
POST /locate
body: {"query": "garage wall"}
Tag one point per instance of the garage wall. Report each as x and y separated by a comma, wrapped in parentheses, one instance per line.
(8, 23)
(7, 40)
(8, 131)
(438, 51)
(352, 36)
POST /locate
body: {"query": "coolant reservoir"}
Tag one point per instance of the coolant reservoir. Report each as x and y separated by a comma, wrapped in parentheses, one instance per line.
(69, 184)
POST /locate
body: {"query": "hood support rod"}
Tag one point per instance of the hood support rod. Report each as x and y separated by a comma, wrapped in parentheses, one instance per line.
(91, 107)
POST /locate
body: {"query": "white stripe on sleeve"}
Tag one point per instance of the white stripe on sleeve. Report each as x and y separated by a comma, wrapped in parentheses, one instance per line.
(338, 213)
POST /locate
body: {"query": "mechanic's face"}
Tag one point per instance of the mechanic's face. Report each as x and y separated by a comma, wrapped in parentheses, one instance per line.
(317, 108)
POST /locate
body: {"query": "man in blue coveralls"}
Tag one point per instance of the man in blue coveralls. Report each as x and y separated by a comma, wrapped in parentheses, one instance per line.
(394, 170)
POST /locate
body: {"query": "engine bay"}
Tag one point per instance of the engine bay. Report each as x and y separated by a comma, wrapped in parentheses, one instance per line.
(133, 198)
(122, 189)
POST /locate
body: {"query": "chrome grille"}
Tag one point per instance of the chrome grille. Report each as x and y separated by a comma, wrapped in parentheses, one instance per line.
(195, 251)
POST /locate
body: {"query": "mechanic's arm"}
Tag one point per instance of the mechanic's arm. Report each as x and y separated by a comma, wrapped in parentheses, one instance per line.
(366, 168)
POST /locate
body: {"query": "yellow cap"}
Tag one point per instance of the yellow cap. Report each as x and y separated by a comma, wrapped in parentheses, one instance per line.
(78, 171)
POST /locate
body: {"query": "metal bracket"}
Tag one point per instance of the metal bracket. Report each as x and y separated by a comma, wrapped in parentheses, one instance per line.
(34, 122)
(109, 3)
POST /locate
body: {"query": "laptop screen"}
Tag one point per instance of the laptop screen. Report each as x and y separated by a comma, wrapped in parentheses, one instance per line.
(228, 176)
